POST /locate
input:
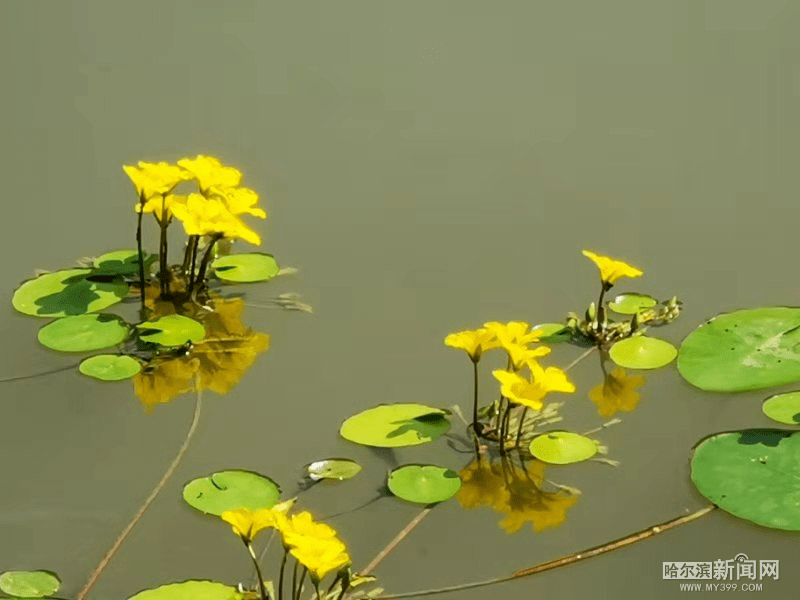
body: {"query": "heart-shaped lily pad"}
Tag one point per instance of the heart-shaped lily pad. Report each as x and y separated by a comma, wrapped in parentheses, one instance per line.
(783, 408)
(110, 367)
(743, 350)
(396, 425)
(424, 484)
(191, 590)
(753, 474)
(29, 584)
(246, 268)
(68, 292)
(631, 303)
(642, 352)
(83, 333)
(333, 468)
(562, 447)
(172, 330)
(123, 262)
(229, 490)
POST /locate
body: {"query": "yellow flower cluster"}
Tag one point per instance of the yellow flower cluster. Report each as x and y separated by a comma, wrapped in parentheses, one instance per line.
(315, 545)
(217, 208)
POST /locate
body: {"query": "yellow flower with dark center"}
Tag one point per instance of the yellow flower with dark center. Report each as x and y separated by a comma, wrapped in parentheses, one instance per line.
(612, 270)
(616, 393)
(531, 392)
(514, 332)
(473, 342)
(321, 556)
(206, 216)
(210, 174)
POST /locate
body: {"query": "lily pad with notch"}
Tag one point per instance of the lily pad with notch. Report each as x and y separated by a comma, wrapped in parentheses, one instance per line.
(123, 262)
(642, 352)
(337, 469)
(110, 367)
(192, 590)
(67, 293)
(744, 350)
(396, 425)
(424, 484)
(84, 333)
(783, 408)
(562, 447)
(631, 303)
(246, 268)
(229, 490)
(553, 333)
(171, 330)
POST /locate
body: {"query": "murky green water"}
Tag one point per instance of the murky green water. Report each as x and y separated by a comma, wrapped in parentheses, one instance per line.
(428, 166)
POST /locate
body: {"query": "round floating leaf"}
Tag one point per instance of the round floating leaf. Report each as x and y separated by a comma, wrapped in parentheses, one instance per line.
(753, 474)
(68, 292)
(123, 262)
(333, 468)
(743, 350)
(83, 333)
(172, 330)
(110, 367)
(424, 484)
(563, 447)
(783, 408)
(642, 352)
(191, 590)
(631, 303)
(29, 584)
(229, 490)
(246, 268)
(395, 425)
(553, 332)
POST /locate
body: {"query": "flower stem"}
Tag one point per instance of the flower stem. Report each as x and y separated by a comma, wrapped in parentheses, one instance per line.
(191, 244)
(283, 570)
(262, 588)
(206, 257)
(475, 426)
(193, 264)
(139, 247)
(316, 587)
(295, 592)
(521, 423)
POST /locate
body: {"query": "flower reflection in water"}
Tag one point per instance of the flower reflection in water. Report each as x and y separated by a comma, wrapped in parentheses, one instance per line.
(617, 393)
(515, 491)
(216, 363)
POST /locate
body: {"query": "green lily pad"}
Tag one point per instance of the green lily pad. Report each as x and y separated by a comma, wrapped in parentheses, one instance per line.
(643, 352)
(110, 367)
(333, 468)
(753, 474)
(424, 484)
(123, 262)
(553, 332)
(84, 333)
(631, 303)
(68, 292)
(191, 590)
(29, 584)
(743, 350)
(563, 447)
(246, 268)
(395, 425)
(172, 330)
(229, 490)
(783, 408)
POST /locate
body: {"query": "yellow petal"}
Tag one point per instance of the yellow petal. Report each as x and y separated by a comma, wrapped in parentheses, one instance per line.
(612, 270)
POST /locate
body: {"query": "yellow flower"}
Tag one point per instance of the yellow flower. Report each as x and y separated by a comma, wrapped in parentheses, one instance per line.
(247, 523)
(616, 393)
(522, 355)
(303, 527)
(242, 200)
(473, 342)
(530, 393)
(514, 332)
(611, 270)
(204, 216)
(155, 179)
(321, 556)
(210, 174)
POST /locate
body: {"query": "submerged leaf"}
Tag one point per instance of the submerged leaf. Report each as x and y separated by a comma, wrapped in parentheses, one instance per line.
(424, 484)
(642, 352)
(29, 584)
(743, 350)
(84, 333)
(753, 474)
(395, 425)
(229, 490)
(67, 292)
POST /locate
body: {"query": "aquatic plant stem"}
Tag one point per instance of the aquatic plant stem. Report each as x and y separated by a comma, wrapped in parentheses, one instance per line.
(283, 570)
(139, 247)
(206, 257)
(191, 246)
(50, 372)
(521, 423)
(153, 494)
(475, 424)
(564, 560)
(261, 587)
(163, 270)
(316, 587)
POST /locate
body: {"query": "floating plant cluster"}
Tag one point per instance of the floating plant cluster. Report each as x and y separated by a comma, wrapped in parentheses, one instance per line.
(190, 337)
